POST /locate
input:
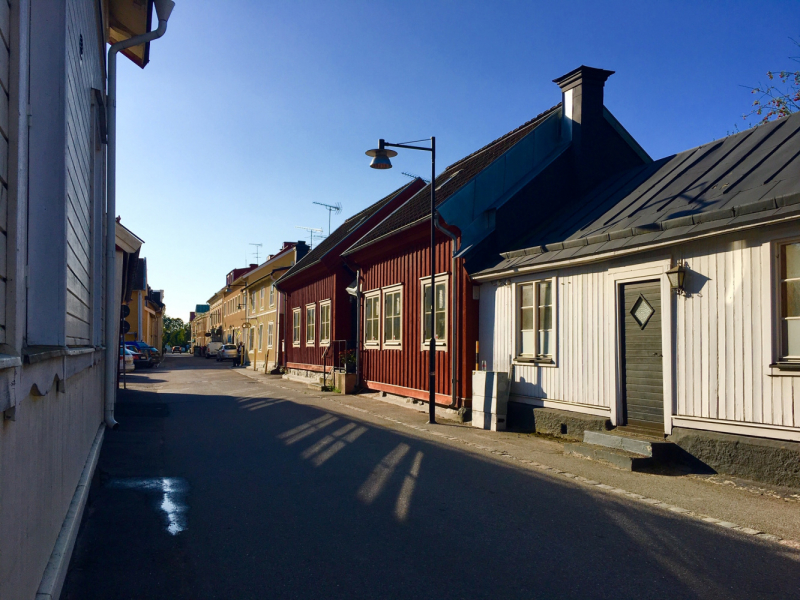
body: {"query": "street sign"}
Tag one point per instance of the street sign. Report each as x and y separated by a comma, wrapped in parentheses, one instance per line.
(126, 327)
(125, 310)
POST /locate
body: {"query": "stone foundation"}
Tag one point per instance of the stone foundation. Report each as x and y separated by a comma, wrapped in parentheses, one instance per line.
(551, 421)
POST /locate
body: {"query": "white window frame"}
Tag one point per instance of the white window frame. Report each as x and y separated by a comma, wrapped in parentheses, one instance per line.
(391, 344)
(781, 336)
(261, 299)
(260, 337)
(297, 326)
(312, 342)
(250, 340)
(441, 344)
(270, 334)
(272, 295)
(322, 305)
(537, 357)
(368, 297)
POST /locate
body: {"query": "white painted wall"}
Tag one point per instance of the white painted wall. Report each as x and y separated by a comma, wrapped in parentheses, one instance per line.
(718, 340)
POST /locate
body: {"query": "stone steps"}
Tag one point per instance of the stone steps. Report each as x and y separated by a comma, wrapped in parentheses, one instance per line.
(625, 451)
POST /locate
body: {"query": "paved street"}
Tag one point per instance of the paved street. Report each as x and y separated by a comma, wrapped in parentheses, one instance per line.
(218, 485)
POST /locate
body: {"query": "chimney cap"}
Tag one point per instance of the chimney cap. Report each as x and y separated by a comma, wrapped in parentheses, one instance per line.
(580, 75)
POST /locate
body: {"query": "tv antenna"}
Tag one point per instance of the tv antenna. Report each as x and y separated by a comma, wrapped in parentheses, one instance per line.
(415, 177)
(331, 208)
(311, 231)
(257, 246)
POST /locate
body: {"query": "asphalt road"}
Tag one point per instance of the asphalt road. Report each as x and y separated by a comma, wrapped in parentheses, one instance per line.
(216, 486)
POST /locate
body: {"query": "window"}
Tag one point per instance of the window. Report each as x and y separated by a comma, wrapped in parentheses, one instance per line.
(535, 320)
(392, 317)
(311, 318)
(437, 310)
(296, 327)
(372, 319)
(270, 332)
(261, 298)
(250, 337)
(325, 323)
(790, 301)
(260, 337)
(253, 302)
(272, 295)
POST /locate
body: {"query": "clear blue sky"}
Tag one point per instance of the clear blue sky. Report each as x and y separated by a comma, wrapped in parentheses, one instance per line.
(249, 110)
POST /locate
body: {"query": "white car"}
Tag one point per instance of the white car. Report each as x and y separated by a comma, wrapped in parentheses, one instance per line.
(212, 349)
(126, 361)
(228, 351)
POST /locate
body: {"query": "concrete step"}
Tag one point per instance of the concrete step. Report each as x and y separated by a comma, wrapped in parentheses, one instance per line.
(629, 461)
(318, 387)
(659, 450)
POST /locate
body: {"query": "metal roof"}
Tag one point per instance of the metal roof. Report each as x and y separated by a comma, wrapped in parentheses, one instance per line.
(741, 179)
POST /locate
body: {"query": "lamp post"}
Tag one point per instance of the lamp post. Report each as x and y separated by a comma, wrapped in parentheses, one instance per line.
(380, 160)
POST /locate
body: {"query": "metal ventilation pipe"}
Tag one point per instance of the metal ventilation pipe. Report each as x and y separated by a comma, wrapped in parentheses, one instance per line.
(163, 11)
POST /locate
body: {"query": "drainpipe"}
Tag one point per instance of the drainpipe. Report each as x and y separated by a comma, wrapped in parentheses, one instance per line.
(358, 328)
(454, 313)
(163, 11)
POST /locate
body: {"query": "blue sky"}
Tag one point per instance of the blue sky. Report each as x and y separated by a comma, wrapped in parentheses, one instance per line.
(250, 111)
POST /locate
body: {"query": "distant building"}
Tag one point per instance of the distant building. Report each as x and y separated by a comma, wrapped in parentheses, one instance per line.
(146, 306)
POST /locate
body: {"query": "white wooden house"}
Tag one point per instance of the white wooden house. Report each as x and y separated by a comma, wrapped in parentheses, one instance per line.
(582, 312)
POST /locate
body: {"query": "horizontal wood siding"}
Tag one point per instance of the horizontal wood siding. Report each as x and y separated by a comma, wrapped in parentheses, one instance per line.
(83, 74)
(407, 263)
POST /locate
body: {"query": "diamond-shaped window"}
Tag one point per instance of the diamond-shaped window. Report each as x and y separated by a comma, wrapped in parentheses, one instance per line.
(642, 311)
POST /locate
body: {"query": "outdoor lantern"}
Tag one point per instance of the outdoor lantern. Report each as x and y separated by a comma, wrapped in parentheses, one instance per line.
(676, 276)
(380, 158)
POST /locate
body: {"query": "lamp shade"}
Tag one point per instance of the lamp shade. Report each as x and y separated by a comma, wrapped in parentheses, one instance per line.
(676, 276)
(380, 158)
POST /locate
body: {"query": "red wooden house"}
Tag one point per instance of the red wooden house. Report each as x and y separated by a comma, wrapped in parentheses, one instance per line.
(394, 262)
(319, 313)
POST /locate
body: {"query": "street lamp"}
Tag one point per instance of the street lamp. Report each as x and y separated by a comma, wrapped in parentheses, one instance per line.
(380, 160)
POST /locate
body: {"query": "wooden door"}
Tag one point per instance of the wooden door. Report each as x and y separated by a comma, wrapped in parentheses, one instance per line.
(642, 368)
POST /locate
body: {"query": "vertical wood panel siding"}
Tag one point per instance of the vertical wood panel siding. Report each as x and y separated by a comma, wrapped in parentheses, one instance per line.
(83, 73)
(5, 44)
(723, 331)
(408, 367)
(323, 288)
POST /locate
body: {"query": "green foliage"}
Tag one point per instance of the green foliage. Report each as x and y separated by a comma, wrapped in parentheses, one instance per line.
(176, 332)
(778, 97)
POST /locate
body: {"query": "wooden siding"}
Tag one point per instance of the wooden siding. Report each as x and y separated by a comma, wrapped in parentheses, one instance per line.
(83, 74)
(5, 44)
(723, 335)
(323, 288)
(406, 263)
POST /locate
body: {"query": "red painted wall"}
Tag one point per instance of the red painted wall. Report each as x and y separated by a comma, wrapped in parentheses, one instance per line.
(405, 258)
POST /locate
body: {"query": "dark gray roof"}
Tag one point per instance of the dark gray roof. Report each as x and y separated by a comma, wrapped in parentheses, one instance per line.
(448, 182)
(339, 234)
(741, 179)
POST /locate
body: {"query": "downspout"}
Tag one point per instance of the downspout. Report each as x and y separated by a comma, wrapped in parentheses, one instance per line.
(358, 329)
(454, 313)
(163, 10)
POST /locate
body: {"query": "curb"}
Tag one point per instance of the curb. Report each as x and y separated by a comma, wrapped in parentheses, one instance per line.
(56, 570)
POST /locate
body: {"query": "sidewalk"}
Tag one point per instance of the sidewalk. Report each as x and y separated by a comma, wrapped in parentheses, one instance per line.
(768, 513)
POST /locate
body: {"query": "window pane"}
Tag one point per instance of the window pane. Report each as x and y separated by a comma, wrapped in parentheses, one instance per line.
(791, 261)
(527, 318)
(544, 343)
(427, 299)
(440, 296)
(387, 305)
(396, 329)
(369, 308)
(545, 294)
(527, 295)
(528, 341)
(545, 317)
(440, 326)
(792, 337)
(426, 321)
(791, 299)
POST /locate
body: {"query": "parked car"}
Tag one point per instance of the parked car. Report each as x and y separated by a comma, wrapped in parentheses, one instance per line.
(227, 352)
(212, 349)
(126, 360)
(177, 349)
(149, 355)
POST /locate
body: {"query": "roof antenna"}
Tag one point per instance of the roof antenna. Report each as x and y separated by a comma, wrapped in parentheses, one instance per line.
(331, 208)
(416, 177)
(257, 246)
(311, 231)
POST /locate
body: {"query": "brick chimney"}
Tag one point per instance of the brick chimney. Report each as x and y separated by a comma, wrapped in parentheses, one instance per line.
(583, 121)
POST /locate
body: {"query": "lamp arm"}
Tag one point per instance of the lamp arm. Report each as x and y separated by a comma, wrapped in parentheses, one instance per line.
(407, 146)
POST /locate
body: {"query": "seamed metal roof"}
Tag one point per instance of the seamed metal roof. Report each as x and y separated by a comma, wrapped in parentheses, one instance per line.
(742, 179)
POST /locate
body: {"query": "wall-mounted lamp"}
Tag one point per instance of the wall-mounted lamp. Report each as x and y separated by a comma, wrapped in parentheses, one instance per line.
(677, 277)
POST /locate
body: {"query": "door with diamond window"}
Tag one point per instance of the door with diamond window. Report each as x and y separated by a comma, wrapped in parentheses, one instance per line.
(642, 368)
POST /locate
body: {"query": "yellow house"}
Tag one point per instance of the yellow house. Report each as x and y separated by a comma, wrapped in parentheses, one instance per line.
(146, 317)
(199, 324)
